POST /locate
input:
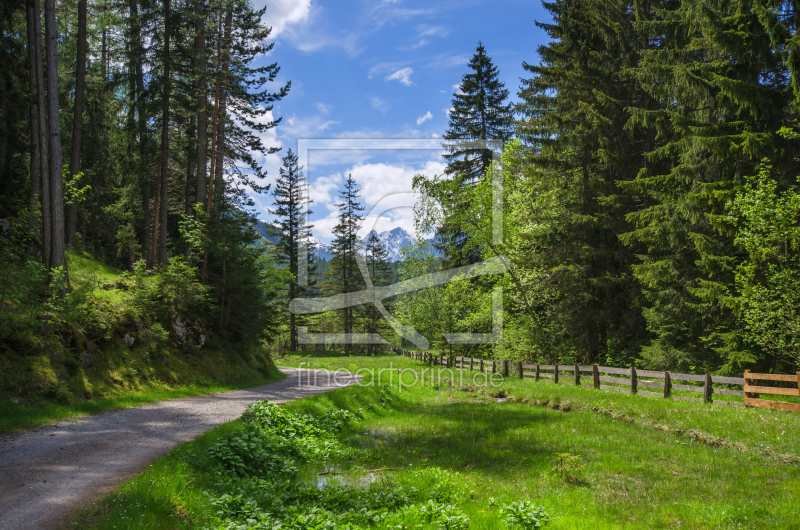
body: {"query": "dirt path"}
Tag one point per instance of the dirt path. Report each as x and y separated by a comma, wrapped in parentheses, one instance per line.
(47, 471)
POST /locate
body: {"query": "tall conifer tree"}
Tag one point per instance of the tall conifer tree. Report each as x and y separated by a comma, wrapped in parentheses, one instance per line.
(380, 272)
(291, 208)
(480, 111)
(344, 274)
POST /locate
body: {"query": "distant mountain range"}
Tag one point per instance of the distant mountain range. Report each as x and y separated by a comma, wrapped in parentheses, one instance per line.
(393, 241)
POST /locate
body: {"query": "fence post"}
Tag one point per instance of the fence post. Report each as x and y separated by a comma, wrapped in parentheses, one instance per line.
(577, 375)
(747, 395)
(537, 372)
(596, 376)
(494, 367)
(555, 374)
(519, 369)
(667, 385)
(708, 390)
(505, 368)
(481, 365)
(471, 363)
(634, 383)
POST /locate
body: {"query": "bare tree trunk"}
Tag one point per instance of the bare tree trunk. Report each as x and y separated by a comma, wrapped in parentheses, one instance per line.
(190, 169)
(151, 261)
(36, 183)
(77, 123)
(202, 102)
(223, 100)
(218, 140)
(44, 137)
(162, 236)
(191, 156)
(215, 121)
(58, 257)
(144, 183)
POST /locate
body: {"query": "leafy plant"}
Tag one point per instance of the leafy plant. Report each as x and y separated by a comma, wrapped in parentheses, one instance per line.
(524, 514)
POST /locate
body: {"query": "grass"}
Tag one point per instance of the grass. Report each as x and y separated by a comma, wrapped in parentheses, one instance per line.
(19, 416)
(592, 459)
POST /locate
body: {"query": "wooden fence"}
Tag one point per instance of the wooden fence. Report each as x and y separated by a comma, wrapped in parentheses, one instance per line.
(634, 381)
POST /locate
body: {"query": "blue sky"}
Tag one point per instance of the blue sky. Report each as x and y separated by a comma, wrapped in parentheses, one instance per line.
(382, 69)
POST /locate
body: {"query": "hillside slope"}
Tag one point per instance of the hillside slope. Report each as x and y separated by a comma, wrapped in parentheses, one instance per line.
(105, 347)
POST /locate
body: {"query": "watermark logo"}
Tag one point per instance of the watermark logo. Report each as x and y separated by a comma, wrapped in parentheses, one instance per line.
(375, 295)
(402, 378)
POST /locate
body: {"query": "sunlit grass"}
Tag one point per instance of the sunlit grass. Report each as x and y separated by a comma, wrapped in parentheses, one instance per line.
(636, 462)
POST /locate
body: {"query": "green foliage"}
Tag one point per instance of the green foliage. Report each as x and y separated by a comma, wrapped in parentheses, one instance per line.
(524, 515)
(73, 192)
(194, 230)
(770, 277)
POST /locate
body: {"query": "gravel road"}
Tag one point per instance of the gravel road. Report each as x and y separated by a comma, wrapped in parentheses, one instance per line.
(47, 471)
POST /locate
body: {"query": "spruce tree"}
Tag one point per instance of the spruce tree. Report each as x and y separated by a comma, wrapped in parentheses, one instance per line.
(344, 274)
(573, 120)
(380, 272)
(479, 112)
(719, 109)
(291, 202)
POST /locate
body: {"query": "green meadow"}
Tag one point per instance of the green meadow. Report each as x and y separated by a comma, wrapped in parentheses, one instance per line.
(444, 452)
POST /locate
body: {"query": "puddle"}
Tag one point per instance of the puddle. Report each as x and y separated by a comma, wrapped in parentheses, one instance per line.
(346, 479)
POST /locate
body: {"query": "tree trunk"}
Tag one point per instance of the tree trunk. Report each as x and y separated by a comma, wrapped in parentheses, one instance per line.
(36, 183)
(44, 137)
(151, 261)
(218, 151)
(58, 257)
(191, 162)
(144, 182)
(202, 102)
(218, 140)
(77, 124)
(162, 236)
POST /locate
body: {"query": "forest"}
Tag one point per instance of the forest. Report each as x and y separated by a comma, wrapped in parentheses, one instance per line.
(649, 188)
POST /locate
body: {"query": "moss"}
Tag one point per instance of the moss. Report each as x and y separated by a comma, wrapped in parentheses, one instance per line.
(38, 376)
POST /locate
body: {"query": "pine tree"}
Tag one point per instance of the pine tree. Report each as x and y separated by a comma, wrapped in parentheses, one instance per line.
(380, 272)
(344, 274)
(291, 208)
(479, 112)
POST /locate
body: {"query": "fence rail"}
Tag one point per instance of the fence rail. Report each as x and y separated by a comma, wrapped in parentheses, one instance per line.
(630, 380)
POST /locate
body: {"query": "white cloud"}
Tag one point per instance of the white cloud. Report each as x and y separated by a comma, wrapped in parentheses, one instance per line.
(295, 127)
(448, 111)
(404, 76)
(323, 108)
(449, 61)
(309, 41)
(381, 68)
(324, 190)
(281, 14)
(425, 30)
(379, 104)
(386, 185)
(423, 119)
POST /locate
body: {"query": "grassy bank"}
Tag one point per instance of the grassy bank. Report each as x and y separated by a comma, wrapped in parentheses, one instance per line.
(19, 416)
(104, 349)
(450, 454)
